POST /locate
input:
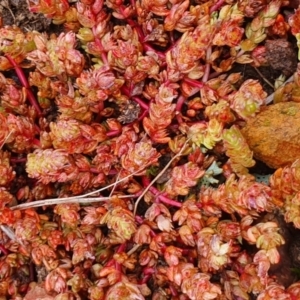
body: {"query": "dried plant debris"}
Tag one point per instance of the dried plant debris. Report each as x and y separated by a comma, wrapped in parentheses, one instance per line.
(15, 12)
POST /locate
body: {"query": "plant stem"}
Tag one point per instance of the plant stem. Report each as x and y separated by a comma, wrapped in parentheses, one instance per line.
(147, 274)
(194, 83)
(140, 102)
(18, 160)
(207, 66)
(264, 78)
(113, 133)
(270, 98)
(146, 46)
(169, 201)
(157, 193)
(78, 199)
(3, 250)
(216, 6)
(25, 84)
(158, 176)
(148, 271)
(92, 170)
(56, 201)
(178, 108)
(120, 249)
(36, 142)
(173, 290)
(161, 55)
(99, 44)
(139, 220)
(133, 249)
(137, 28)
(145, 279)
(141, 117)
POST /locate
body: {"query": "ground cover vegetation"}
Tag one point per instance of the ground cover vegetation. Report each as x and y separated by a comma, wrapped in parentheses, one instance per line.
(124, 169)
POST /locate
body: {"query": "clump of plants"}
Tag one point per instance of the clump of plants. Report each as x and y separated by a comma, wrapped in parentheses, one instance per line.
(124, 173)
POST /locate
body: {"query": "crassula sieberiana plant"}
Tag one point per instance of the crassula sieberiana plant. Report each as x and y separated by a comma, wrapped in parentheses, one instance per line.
(124, 173)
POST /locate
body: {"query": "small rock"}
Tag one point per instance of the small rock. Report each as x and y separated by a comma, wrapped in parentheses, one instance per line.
(282, 56)
(274, 134)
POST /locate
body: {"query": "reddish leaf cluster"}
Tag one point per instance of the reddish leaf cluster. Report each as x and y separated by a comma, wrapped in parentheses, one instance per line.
(124, 172)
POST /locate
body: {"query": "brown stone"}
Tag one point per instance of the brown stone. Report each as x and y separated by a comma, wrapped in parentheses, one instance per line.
(274, 134)
(281, 55)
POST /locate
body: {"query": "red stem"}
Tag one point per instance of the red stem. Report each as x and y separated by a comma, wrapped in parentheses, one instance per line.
(125, 90)
(146, 46)
(148, 271)
(121, 248)
(104, 57)
(216, 6)
(113, 133)
(140, 102)
(214, 75)
(172, 39)
(207, 66)
(173, 290)
(18, 160)
(143, 115)
(112, 172)
(25, 84)
(137, 28)
(160, 54)
(92, 170)
(118, 266)
(179, 104)
(36, 142)
(166, 200)
(194, 83)
(185, 252)
(19, 72)
(152, 233)
(99, 44)
(132, 3)
(3, 250)
(139, 219)
(145, 279)
(157, 193)
(110, 263)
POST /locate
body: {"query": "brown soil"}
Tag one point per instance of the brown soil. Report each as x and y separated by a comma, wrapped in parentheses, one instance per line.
(15, 12)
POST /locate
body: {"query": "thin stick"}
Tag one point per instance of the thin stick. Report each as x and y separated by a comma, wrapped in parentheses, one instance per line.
(11, 234)
(133, 249)
(56, 201)
(158, 176)
(76, 199)
(6, 138)
(207, 66)
(270, 98)
(6, 5)
(264, 78)
(115, 185)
